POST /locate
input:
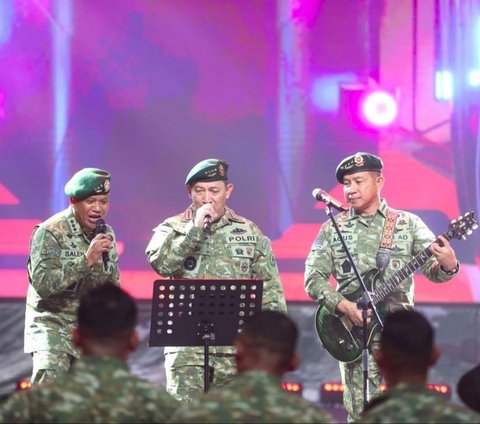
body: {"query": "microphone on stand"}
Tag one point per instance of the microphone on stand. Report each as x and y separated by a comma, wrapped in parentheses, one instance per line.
(323, 196)
(101, 228)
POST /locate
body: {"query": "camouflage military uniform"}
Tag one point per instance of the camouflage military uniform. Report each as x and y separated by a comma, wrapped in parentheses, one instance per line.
(251, 397)
(96, 390)
(413, 403)
(362, 237)
(58, 275)
(234, 248)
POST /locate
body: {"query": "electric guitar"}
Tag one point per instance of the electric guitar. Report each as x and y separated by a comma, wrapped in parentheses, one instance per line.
(342, 339)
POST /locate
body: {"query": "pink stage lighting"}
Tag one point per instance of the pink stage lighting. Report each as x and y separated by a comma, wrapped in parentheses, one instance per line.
(2, 104)
(378, 108)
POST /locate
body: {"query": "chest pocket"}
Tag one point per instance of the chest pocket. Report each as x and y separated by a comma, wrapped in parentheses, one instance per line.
(241, 250)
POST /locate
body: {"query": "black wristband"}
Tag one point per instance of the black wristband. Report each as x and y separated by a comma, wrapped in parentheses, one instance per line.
(453, 271)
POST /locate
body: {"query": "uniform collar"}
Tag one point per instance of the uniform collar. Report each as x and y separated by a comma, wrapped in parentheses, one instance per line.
(382, 210)
(74, 226)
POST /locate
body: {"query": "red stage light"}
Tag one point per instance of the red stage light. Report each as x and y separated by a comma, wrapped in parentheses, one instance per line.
(292, 387)
(332, 392)
(23, 385)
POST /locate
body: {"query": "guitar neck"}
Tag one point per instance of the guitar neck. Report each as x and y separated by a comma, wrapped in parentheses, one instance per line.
(392, 283)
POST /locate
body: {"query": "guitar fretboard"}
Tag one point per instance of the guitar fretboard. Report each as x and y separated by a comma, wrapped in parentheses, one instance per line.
(385, 289)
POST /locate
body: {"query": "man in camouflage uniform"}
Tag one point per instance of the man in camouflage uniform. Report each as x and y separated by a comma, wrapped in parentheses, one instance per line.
(405, 354)
(210, 241)
(265, 352)
(99, 387)
(65, 260)
(362, 228)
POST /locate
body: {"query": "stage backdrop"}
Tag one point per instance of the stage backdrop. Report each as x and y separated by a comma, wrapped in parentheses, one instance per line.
(147, 88)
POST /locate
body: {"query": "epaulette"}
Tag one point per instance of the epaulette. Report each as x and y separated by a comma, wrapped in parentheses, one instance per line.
(234, 216)
(188, 214)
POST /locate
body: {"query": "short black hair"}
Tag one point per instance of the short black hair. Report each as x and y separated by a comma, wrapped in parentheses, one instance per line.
(272, 331)
(468, 388)
(106, 311)
(408, 338)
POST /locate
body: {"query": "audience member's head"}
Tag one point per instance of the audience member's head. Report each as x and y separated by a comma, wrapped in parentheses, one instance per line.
(268, 343)
(107, 316)
(407, 347)
(468, 388)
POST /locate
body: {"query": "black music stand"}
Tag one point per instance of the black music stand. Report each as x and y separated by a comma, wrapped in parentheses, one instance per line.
(202, 313)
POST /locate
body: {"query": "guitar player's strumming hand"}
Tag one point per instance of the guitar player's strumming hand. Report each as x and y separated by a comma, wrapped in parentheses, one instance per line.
(354, 314)
(445, 255)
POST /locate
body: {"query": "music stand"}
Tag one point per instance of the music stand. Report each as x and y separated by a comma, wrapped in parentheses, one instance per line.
(202, 313)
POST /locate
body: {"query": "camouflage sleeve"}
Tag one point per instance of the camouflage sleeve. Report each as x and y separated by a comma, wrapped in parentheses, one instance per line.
(16, 409)
(264, 267)
(169, 247)
(115, 272)
(318, 268)
(423, 238)
(45, 270)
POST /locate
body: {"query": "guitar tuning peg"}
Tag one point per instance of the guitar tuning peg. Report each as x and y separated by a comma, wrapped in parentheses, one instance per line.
(469, 232)
(463, 237)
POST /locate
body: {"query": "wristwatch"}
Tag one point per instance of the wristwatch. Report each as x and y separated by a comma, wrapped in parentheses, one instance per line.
(453, 271)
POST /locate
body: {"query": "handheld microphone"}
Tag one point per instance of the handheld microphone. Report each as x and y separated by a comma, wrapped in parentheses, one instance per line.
(101, 228)
(323, 196)
(207, 223)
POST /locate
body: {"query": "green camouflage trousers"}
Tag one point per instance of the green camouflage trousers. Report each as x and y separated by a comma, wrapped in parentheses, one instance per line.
(48, 365)
(352, 379)
(184, 373)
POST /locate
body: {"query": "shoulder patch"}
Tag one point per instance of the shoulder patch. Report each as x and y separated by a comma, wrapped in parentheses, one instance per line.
(51, 251)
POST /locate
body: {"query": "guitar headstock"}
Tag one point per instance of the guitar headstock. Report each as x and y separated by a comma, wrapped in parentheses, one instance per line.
(462, 227)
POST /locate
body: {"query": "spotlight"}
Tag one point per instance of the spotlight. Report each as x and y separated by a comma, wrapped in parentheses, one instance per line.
(378, 108)
(368, 106)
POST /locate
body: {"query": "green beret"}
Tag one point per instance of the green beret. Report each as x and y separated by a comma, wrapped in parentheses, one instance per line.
(359, 162)
(208, 170)
(88, 182)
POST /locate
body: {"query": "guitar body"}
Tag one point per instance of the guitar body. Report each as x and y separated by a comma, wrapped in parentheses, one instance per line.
(338, 335)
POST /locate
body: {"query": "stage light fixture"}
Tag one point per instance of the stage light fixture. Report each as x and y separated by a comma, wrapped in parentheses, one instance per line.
(23, 385)
(332, 392)
(293, 387)
(368, 106)
(474, 78)
(378, 108)
(443, 85)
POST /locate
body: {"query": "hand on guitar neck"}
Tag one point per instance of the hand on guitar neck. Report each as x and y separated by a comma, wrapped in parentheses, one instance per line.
(353, 312)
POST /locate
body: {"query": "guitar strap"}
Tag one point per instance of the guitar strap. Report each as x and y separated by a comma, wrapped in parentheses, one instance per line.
(383, 253)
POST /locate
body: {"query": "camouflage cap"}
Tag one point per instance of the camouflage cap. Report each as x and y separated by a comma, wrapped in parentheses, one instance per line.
(208, 170)
(88, 182)
(359, 162)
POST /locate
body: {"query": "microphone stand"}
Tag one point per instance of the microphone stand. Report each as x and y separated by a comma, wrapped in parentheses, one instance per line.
(364, 304)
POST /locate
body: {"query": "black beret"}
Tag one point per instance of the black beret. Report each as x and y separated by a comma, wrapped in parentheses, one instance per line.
(358, 162)
(208, 170)
(88, 182)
